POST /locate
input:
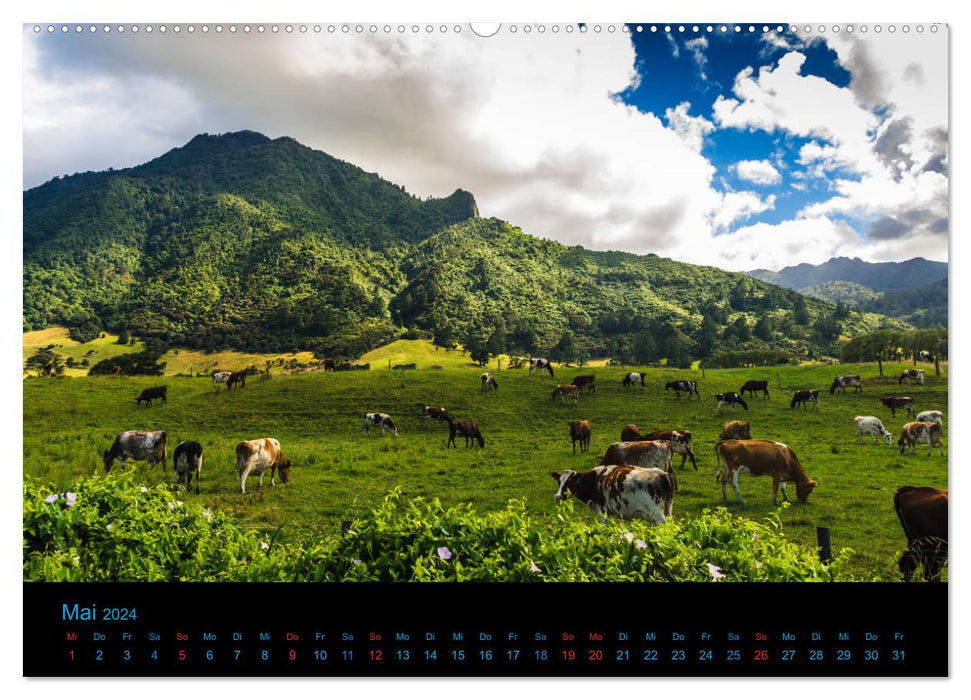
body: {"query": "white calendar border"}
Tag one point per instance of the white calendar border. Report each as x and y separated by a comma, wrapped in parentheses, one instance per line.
(14, 14)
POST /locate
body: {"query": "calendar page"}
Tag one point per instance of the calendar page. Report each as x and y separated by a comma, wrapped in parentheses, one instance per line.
(449, 349)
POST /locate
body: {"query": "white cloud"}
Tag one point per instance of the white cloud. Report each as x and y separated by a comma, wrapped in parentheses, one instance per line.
(692, 130)
(761, 172)
(738, 206)
(774, 246)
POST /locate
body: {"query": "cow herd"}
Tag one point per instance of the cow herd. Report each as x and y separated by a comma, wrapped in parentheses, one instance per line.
(635, 477)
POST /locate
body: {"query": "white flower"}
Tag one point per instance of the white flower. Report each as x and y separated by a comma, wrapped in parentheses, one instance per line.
(264, 546)
(144, 490)
(108, 526)
(535, 569)
(715, 571)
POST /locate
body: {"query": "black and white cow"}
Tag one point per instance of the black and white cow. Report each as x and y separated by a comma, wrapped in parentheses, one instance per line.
(925, 356)
(631, 379)
(680, 385)
(541, 364)
(188, 460)
(489, 382)
(911, 375)
(621, 490)
(845, 380)
(731, 399)
(379, 420)
(137, 445)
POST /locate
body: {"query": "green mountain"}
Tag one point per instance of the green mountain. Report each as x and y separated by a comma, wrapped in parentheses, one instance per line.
(239, 241)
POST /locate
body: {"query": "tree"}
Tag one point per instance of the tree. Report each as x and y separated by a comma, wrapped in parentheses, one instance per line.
(46, 362)
(645, 348)
(706, 336)
(800, 311)
(123, 338)
(566, 349)
(763, 329)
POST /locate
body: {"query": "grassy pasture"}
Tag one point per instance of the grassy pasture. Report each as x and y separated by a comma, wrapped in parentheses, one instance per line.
(338, 473)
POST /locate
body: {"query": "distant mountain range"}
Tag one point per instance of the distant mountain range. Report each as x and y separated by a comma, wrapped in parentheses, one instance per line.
(913, 290)
(245, 242)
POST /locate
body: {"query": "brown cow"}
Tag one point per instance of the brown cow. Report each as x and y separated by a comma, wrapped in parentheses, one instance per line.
(580, 432)
(922, 511)
(489, 381)
(439, 413)
(117, 371)
(736, 430)
(587, 381)
(761, 458)
(236, 378)
(330, 364)
(926, 433)
(155, 392)
(753, 386)
(895, 402)
(467, 429)
(260, 455)
(631, 433)
(643, 453)
(564, 390)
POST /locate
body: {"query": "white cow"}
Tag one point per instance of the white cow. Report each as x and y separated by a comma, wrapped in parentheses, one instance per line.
(621, 490)
(632, 379)
(931, 417)
(871, 425)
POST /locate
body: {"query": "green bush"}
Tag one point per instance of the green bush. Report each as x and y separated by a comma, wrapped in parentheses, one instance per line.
(131, 364)
(111, 529)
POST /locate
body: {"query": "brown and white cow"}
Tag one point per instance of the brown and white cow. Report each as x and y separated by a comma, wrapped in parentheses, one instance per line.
(585, 381)
(680, 442)
(137, 445)
(259, 456)
(917, 432)
(220, 378)
(621, 490)
(910, 376)
(580, 432)
(895, 402)
(804, 396)
(642, 453)
(761, 458)
(152, 393)
(468, 429)
(753, 386)
(922, 511)
(562, 391)
(439, 413)
(489, 382)
(845, 380)
(736, 430)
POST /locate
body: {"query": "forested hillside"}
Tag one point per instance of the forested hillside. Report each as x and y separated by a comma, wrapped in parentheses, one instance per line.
(239, 241)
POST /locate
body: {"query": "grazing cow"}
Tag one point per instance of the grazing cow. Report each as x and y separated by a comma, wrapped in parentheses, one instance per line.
(761, 458)
(753, 386)
(922, 511)
(260, 455)
(587, 381)
(564, 390)
(379, 420)
(736, 430)
(895, 402)
(633, 378)
(349, 366)
(621, 490)
(155, 392)
(845, 380)
(136, 445)
(467, 429)
(931, 417)
(911, 375)
(540, 364)
(917, 432)
(117, 371)
(804, 396)
(489, 381)
(188, 460)
(330, 364)
(410, 365)
(871, 425)
(730, 399)
(925, 356)
(237, 378)
(439, 413)
(680, 442)
(642, 453)
(630, 433)
(683, 385)
(220, 378)
(580, 432)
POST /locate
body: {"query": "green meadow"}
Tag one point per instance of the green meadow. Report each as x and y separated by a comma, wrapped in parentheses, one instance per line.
(341, 474)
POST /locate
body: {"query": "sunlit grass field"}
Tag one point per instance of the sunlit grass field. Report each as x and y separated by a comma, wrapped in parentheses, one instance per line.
(339, 473)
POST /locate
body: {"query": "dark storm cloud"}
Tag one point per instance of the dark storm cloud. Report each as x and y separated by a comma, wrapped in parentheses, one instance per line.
(886, 227)
(889, 145)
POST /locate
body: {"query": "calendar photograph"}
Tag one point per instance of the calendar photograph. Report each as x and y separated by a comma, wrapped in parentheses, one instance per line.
(539, 303)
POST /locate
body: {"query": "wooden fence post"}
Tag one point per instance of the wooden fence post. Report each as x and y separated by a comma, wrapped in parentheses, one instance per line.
(937, 367)
(702, 372)
(778, 381)
(825, 545)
